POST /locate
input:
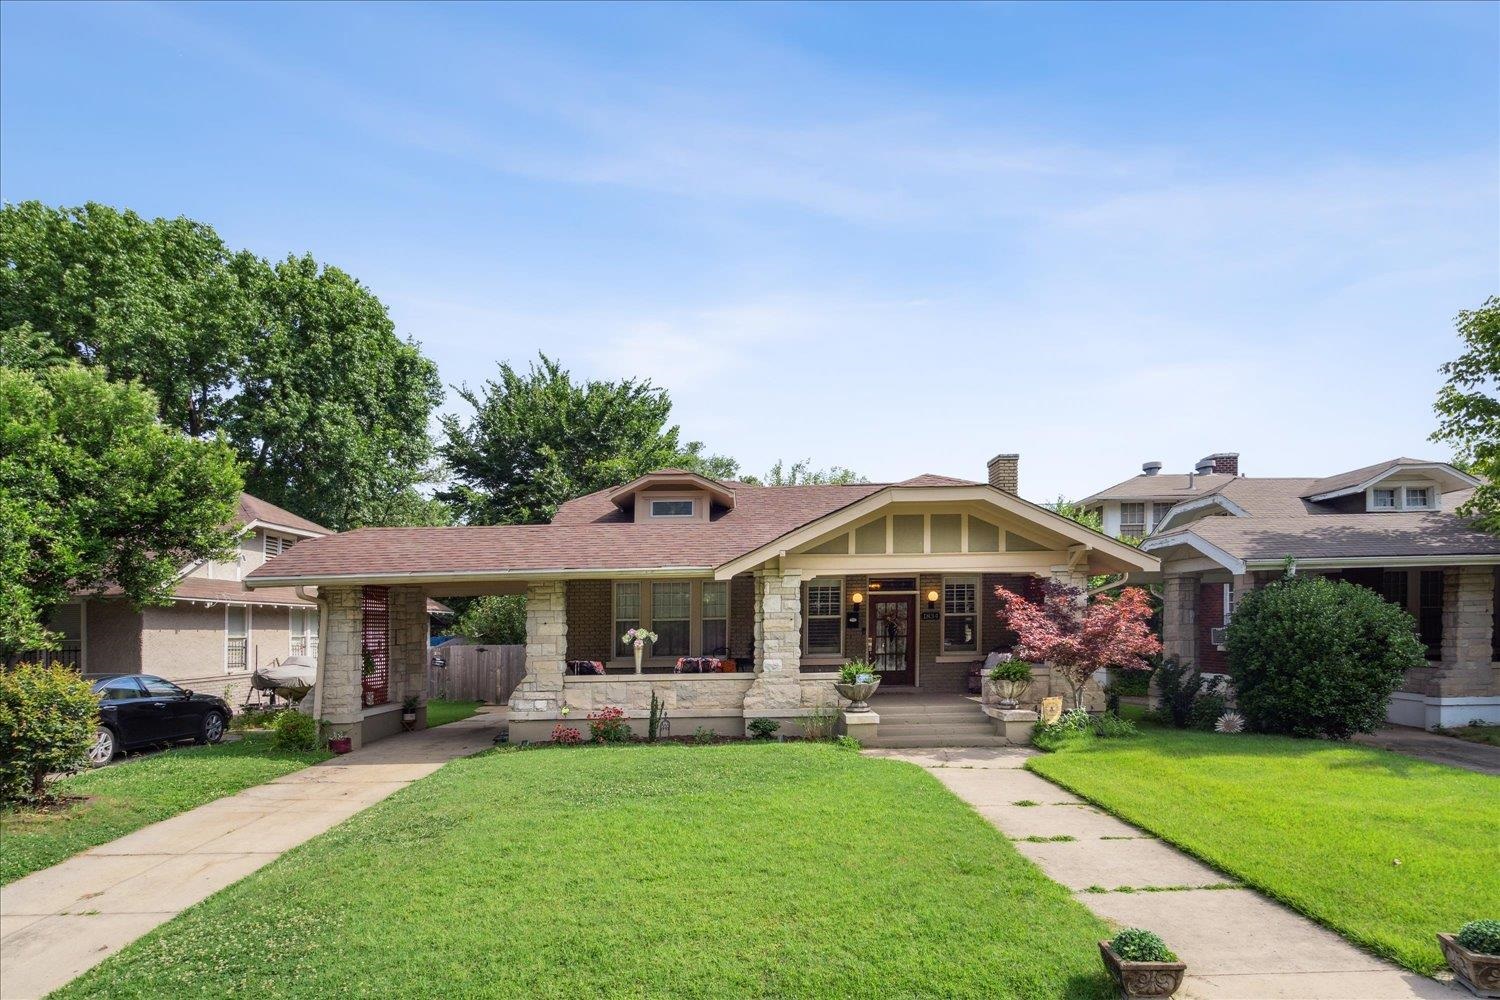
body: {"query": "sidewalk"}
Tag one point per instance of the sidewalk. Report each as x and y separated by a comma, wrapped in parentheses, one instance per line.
(1236, 943)
(59, 923)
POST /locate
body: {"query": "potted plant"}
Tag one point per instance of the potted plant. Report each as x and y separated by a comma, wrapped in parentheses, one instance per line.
(1012, 679)
(339, 742)
(1474, 956)
(409, 712)
(638, 637)
(1141, 964)
(857, 682)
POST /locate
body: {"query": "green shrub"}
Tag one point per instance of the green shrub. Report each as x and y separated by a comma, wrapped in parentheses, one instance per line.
(1112, 727)
(47, 721)
(1131, 683)
(1177, 684)
(703, 736)
(256, 718)
(1207, 708)
(762, 728)
(821, 723)
(1482, 936)
(294, 731)
(1136, 945)
(1314, 657)
(851, 672)
(847, 742)
(1052, 737)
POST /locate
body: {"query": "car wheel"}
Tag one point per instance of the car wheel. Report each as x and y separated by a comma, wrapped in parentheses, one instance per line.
(213, 728)
(105, 747)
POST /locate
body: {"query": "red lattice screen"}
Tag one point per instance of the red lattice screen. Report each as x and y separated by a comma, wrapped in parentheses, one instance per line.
(375, 644)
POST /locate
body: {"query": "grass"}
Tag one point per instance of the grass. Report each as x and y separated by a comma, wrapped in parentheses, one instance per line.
(134, 793)
(1320, 826)
(440, 713)
(738, 870)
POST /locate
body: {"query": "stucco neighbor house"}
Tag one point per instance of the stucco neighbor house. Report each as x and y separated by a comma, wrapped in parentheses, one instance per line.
(1392, 527)
(1133, 508)
(215, 631)
(756, 594)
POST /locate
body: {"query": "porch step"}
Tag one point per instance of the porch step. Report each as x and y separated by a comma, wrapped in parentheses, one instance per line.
(934, 714)
(883, 742)
(953, 730)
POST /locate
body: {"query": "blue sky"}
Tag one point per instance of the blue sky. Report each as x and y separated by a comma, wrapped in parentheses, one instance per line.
(898, 238)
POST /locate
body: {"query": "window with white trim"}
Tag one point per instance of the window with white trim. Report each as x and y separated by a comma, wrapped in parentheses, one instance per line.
(825, 616)
(627, 614)
(304, 631)
(1132, 520)
(671, 617)
(672, 508)
(236, 637)
(1403, 498)
(960, 615)
(713, 608)
(1159, 514)
(1383, 499)
(1418, 497)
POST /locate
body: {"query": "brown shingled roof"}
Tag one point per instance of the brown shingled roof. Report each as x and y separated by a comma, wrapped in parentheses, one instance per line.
(1345, 480)
(256, 509)
(1346, 536)
(1166, 487)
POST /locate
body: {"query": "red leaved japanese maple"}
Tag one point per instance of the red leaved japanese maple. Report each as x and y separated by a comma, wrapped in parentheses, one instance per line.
(1078, 636)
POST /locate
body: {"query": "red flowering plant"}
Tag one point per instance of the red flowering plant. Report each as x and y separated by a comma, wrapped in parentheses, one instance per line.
(566, 735)
(608, 725)
(1079, 636)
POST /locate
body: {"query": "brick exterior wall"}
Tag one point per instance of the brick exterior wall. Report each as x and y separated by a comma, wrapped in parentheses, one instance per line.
(1226, 462)
(590, 622)
(1211, 659)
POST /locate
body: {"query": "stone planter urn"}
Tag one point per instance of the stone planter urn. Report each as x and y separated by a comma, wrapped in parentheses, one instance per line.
(858, 694)
(1479, 972)
(1142, 979)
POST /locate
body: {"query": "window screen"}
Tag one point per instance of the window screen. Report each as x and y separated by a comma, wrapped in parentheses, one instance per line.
(627, 615)
(671, 617)
(825, 621)
(960, 618)
(671, 508)
(715, 613)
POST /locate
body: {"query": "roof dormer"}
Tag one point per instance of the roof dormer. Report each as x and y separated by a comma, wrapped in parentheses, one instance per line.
(1402, 484)
(672, 496)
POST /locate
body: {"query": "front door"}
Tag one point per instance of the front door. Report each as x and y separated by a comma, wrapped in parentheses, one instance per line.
(893, 645)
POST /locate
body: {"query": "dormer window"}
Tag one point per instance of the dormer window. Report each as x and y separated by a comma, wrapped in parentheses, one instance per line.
(1383, 498)
(672, 508)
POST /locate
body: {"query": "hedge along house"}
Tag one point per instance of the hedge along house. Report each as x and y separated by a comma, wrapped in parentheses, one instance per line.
(757, 595)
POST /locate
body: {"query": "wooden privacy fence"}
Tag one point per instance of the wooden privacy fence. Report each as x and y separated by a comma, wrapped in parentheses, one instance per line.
(476, 673)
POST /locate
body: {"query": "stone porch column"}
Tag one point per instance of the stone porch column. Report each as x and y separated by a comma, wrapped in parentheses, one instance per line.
(342, 681)
(1179, 617)
(1468, 617)
(777, 688)
(539, 696)
(409, 646)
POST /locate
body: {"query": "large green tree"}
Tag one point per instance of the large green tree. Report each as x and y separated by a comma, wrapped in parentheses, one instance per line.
(296, 364)
(539, 438)
(1468, 408)
(803, 474)
(94, 491)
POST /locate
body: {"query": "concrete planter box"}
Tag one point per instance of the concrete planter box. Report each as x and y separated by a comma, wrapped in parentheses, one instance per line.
(1142, 979)
(1480, 973)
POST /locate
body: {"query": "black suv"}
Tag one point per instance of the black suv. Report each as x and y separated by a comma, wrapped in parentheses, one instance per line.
(141, 710)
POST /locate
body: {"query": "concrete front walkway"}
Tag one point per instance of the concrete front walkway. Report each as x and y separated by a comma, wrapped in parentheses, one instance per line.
(1236, 942)
(58, 923)
(1435, 747)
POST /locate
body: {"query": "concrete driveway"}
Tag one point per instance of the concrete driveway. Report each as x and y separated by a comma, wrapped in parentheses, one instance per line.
(1435, 747)
(58, 923)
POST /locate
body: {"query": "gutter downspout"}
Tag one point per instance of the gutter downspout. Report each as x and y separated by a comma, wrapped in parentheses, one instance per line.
(322, 603)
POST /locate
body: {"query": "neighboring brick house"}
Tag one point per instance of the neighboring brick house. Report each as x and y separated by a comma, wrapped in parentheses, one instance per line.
(757, 594)
(215, 631)
(1392, 527)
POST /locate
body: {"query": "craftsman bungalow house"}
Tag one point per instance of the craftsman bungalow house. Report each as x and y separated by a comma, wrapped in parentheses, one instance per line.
(756, 595)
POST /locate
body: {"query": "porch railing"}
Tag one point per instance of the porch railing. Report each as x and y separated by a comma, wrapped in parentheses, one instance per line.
(67, 654)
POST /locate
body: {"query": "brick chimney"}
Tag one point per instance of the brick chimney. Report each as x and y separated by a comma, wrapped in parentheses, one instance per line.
(1005, 473)
(1225, 462)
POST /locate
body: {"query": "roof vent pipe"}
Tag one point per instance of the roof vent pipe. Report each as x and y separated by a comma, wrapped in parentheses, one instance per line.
(1204, 467)
(1151, 468)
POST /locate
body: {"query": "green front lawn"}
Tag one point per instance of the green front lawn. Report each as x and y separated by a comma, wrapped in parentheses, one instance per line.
(743, 870)
(440, 713)
(1382, 848)
(124, 797)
